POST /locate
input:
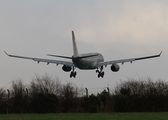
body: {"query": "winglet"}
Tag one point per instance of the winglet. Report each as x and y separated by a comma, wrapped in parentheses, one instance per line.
(160, 53)
(6, 53)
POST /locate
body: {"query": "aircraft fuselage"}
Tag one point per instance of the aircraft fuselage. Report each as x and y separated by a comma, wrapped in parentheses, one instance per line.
(87, 61)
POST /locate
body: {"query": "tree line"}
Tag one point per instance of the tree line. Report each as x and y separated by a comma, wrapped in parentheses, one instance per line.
(48, 95)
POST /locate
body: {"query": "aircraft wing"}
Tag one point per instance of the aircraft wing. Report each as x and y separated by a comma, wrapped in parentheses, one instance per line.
(125, 60)
(48, 61)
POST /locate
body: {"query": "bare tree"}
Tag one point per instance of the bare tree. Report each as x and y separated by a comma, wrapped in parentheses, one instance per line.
(45, 84)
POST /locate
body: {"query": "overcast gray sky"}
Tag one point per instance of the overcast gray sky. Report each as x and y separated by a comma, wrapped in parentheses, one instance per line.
(115, 28)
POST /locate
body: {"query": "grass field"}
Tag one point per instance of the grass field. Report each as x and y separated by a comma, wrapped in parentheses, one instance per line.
(86, 116)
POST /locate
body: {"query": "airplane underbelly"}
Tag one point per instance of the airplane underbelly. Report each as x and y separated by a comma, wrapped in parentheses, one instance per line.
(84, 64)
(88, 62)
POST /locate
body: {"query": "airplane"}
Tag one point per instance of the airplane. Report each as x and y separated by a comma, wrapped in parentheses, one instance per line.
(89, 61)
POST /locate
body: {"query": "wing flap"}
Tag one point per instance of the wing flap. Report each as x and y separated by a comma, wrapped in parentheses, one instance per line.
(114, 62)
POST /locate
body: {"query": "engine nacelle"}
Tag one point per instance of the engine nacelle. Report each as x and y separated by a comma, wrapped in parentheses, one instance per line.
(115, 67)
(66, 68)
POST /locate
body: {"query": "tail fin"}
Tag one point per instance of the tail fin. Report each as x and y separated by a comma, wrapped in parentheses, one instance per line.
(75, 50)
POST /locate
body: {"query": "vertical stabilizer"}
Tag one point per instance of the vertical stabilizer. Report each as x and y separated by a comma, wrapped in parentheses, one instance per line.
(75, 50)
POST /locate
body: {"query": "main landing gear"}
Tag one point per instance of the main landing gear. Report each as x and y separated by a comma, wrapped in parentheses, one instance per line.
(73, 73)
(100, 73)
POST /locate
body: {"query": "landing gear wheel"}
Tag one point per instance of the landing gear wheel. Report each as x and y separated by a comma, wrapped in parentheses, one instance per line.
(73, 74)
(100, 74)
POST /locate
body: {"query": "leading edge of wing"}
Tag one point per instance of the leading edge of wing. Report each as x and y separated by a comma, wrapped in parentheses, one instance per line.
(42, 60)
(127, 60)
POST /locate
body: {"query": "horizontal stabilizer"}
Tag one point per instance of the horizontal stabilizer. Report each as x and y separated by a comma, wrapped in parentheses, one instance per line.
(60, 56)
(80, 57)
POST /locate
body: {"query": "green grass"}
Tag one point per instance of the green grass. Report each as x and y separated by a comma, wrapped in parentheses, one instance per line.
(86, 116)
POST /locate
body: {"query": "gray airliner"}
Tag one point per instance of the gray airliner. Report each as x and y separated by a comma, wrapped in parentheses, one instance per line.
(89, 61)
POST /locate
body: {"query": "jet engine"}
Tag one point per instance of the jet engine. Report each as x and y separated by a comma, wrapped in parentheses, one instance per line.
(115, 67)
(66, 68)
